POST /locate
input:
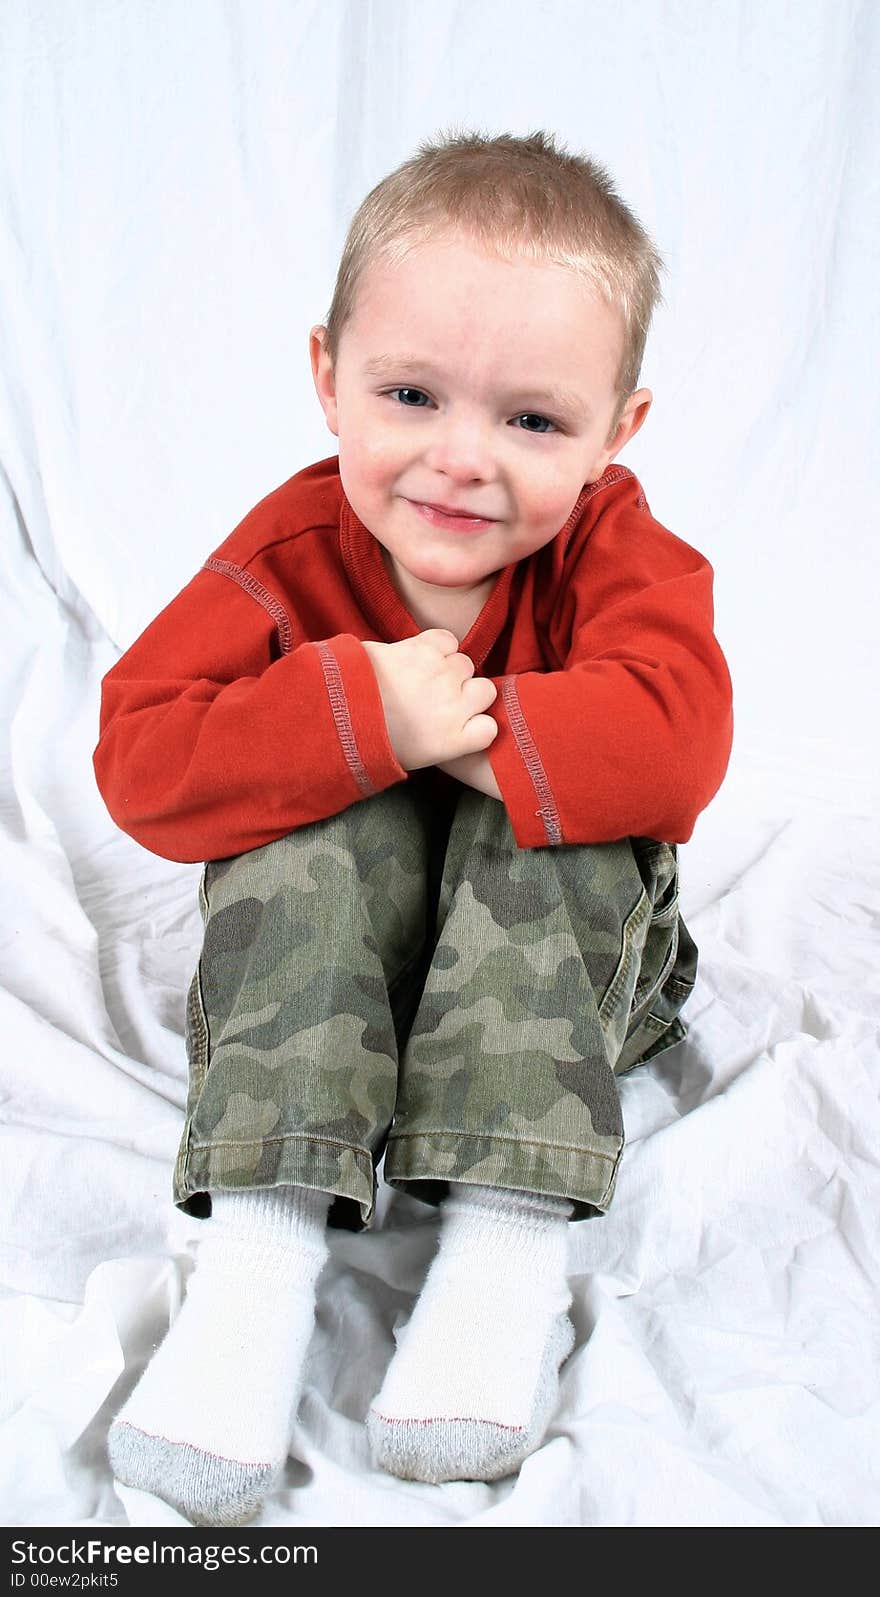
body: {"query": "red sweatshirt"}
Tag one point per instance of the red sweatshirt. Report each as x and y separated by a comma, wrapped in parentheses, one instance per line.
(249, 706)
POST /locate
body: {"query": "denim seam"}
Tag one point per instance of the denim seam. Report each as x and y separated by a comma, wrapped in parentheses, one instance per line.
(606, 1196)
(679, 985)
(493, 1136)
(646, 994)
(667, 915)
(202, 1031)
(362, 1156)
(637, 916)
(286, 1136)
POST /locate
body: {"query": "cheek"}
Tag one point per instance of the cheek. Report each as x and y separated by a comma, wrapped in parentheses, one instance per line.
(376, 454)
(544, 510)
(361, 460)
(546, 497)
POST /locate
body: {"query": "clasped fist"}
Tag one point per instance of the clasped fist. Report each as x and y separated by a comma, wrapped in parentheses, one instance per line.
(434, 705)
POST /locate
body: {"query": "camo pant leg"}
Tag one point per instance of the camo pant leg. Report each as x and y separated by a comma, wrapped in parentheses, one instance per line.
(404, 967)
(555, 970)
(312, 961)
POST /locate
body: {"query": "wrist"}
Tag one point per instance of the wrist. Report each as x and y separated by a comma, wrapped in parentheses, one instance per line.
(475, 771)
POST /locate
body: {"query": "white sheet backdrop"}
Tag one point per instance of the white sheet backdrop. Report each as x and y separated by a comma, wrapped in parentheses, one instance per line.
(176, 187)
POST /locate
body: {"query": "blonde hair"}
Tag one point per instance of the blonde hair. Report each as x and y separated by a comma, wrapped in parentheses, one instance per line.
(514, 197)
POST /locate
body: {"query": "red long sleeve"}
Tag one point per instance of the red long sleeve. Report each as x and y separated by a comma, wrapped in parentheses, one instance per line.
(633, 736)
(249, 706)
(210, 747)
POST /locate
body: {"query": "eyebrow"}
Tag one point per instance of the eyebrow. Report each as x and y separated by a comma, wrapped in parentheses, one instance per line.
(410, 365)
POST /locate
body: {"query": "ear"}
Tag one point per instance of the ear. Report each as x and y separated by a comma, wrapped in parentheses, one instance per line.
(634, 415)
(322, 372)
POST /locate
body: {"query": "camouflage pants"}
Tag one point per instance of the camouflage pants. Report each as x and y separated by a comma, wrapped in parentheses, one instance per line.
(401, 978)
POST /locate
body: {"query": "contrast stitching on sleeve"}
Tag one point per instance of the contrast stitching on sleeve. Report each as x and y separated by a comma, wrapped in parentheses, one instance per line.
(519, 726)
(228, 568)
(342, 717)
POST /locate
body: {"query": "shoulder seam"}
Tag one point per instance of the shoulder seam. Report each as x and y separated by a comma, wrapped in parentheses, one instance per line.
(250, 584)
(614, 475)
(284, 537)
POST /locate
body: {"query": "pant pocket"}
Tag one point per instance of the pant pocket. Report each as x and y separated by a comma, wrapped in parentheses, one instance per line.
(648, 944)
(655, 1022)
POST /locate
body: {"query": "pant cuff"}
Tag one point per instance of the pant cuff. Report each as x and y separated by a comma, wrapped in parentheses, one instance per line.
(424, 1163)
(339, 1168)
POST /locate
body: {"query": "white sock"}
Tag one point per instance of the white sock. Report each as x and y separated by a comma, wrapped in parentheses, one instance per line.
(471, 1387)
(208, 1425)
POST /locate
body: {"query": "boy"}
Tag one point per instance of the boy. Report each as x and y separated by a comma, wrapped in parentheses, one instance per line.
(435, 716)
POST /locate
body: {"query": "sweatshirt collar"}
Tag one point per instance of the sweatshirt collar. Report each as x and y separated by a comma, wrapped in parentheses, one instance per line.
(386, 610)
(382, 603)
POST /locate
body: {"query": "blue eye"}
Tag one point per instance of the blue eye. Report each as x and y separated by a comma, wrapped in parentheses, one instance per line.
(408, 391)
(529, 416)
(416, 395)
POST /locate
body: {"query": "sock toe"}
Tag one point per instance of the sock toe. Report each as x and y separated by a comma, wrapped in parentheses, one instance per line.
(205, 1488)
(207, 1425)
(439, 1448)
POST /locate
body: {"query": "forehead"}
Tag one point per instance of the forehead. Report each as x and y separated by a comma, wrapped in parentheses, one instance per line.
(449, 300)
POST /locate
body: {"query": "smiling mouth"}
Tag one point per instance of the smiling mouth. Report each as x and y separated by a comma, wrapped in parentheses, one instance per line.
(451, 521)
(454, 511)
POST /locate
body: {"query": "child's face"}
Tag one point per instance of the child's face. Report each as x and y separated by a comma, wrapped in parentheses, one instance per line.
(495, 396)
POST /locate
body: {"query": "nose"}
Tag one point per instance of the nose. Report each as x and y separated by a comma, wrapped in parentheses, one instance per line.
(459, 449)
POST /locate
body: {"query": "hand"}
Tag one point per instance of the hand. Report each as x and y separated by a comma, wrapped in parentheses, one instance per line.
(475, 771)
(434, 705)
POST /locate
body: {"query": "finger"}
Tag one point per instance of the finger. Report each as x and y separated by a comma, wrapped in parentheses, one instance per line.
(481, 692)
(441, 639)
(479, 732)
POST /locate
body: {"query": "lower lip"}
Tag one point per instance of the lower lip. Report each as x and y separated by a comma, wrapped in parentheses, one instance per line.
(437, 518)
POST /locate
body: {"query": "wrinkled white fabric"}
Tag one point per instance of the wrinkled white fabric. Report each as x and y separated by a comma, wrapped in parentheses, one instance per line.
(176, 187)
